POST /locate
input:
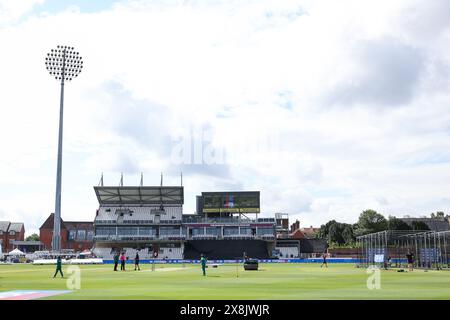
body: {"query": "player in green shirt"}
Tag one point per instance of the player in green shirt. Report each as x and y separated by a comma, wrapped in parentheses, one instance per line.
(203, 262)
(116, 261)
(58, 267)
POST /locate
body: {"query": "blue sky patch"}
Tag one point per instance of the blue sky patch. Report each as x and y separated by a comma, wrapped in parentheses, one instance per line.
(85, 6)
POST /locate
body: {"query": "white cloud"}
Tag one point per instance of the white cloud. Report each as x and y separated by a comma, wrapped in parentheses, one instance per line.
(349, 101)
(13, 10)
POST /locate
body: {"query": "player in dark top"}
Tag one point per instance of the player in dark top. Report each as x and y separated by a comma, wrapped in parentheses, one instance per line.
(203, 263)
(136, 262)
(324, 256)
(116, 261)
(410, 258)
(387, 263)
(58, 267)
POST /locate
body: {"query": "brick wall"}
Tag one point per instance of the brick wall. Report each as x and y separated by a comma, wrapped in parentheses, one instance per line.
(46, 238)
(46, 235)
(7, 239)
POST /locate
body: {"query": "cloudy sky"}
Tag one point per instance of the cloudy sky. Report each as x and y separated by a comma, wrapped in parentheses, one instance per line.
(326, 107)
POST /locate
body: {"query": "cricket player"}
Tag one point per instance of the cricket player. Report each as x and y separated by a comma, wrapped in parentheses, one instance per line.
(203, 262)
(58, 267)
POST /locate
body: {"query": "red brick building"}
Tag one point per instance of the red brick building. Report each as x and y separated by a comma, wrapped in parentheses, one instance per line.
(310, 232)
(76, 235)
(297, 234)
(9, 232)
(301, 233)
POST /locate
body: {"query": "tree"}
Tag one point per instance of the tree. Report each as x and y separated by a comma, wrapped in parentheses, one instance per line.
(324, 229)
(348, 234)
(397, 224)
(438, 215)
(33, 237)
(419, 225)
(336, 232)
(371, 221)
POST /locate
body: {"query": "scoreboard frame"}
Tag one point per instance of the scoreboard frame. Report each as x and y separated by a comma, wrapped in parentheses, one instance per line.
(231, 202)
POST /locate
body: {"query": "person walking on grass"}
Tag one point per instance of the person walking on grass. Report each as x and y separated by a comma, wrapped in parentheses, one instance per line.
(387, 263)
(116, 261)
(324, 263)
(203, 263)
(136, 262)
(58, 267)
(122, 261)
(410, 258)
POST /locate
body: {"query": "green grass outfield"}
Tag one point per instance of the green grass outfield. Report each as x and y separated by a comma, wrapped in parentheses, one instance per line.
(272, 281)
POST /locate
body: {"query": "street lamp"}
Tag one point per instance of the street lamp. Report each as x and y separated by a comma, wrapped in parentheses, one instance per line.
(63, 63)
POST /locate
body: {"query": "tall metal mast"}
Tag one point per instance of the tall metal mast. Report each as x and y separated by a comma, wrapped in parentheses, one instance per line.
(64, 64)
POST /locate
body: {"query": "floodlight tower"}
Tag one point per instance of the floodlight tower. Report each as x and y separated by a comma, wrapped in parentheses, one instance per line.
(63, 63)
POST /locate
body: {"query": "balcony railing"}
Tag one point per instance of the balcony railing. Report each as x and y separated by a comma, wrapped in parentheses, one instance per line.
(180, 237)
(226, 220)
(189, 220)
(138, 238)
(137, 222)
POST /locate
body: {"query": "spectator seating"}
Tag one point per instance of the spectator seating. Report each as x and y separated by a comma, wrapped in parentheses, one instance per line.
(103, 253)
(288, 252)
(137, 214)
(170, 253)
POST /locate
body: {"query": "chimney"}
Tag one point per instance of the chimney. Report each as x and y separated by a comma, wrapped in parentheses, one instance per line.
(295, 226)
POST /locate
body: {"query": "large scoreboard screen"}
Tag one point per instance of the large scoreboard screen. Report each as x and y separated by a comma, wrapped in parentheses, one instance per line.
(233, 202)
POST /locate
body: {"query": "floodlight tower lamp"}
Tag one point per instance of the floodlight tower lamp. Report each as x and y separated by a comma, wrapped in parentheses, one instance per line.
(64, 64)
